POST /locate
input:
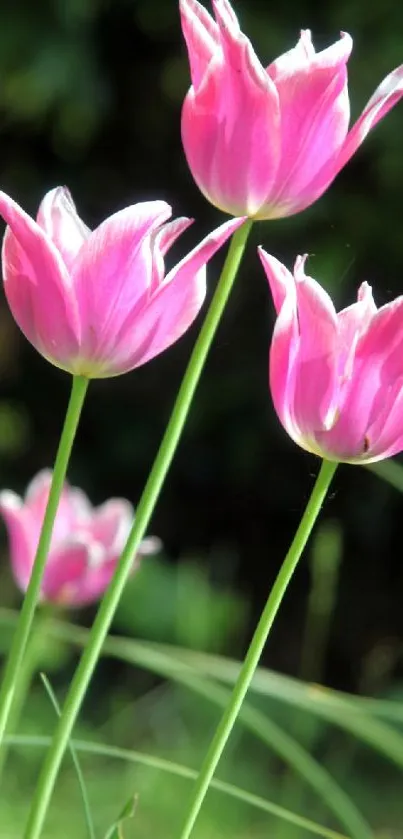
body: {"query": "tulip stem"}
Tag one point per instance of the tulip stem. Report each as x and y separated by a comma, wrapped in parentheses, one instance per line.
(144, 512)
(24, 626)
(258, 641)
(31, 663)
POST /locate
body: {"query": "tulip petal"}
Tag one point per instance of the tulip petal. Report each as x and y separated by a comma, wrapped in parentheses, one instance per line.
(80, 572)
(315, 112)
(353, 322)
(163, 240)
(59, 219)
(111, 524)
(230, 125)
(377, 364)
(385, 435)
(112, 275)
(37, 491)
(282, 366)
(316, 374)
(63, 578)
(37, 285)
(280, 279)
(295, 59)
(201, 35)
(22, 538)
(303, 360)
(172, 308)
(385, 97)
(73, 506)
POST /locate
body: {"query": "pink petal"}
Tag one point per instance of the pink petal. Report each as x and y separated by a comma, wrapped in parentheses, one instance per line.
(280, 279)
(203, 252)
(71, 502)
(295, 59)
(79, 573)
(111, 524)
(201, 36)
(378, 363)
(96, 581)
(230, 124)
(58, 217)
(284, 344)
(385, 97)
(226, 16)
(37, 491)
(81, 507)
(385, 435)
(315, 112)
(303, 361)
(37, 285)
(97, 578)
(163, 318)
(174, 305)
(352, 324)
(22, 537)
(112, 273)
(167, 235)
(316, 371)
(63, 576)
(162, 241)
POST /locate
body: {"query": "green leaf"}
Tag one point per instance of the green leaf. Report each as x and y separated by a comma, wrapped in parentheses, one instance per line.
(76, 762)
(104, 750)
(116, 830)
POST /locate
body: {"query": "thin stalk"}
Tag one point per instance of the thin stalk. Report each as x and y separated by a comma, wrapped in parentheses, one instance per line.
(251, 661)
(31, 663)
(24, 626)
(144, 512)
(325, 559)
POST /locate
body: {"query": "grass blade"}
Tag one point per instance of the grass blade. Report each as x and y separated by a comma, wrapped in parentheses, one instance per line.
(76, 762)
(131, 756)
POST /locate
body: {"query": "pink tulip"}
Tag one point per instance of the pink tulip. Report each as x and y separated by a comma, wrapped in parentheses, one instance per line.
(86, 543)
(336, 378)
(99, 304)
(267, 142)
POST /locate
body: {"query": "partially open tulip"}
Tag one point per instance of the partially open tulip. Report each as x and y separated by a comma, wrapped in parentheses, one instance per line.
(267, 142)
(336, 378)
(100, 303)
(86, 543)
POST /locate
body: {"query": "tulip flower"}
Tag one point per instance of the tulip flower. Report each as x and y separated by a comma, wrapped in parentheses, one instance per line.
(99, 303)
(336, 378)
(267, 142)
(86, 543)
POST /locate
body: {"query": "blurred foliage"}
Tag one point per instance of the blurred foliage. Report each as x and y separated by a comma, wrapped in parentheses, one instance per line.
(180, 606)
(90, 96)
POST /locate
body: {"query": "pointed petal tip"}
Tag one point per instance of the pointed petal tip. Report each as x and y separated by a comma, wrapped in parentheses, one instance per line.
(299, 266)
(40, 483)
(365, 291)
(10, 501)
(229, 227)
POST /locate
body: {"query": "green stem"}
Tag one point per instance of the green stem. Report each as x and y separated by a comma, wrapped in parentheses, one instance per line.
(31, 663)
(17, 651)
(326, 553)
(259, 639)
(144, 512)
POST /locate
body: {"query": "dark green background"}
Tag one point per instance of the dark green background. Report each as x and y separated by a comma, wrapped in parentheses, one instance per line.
(90, 96)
